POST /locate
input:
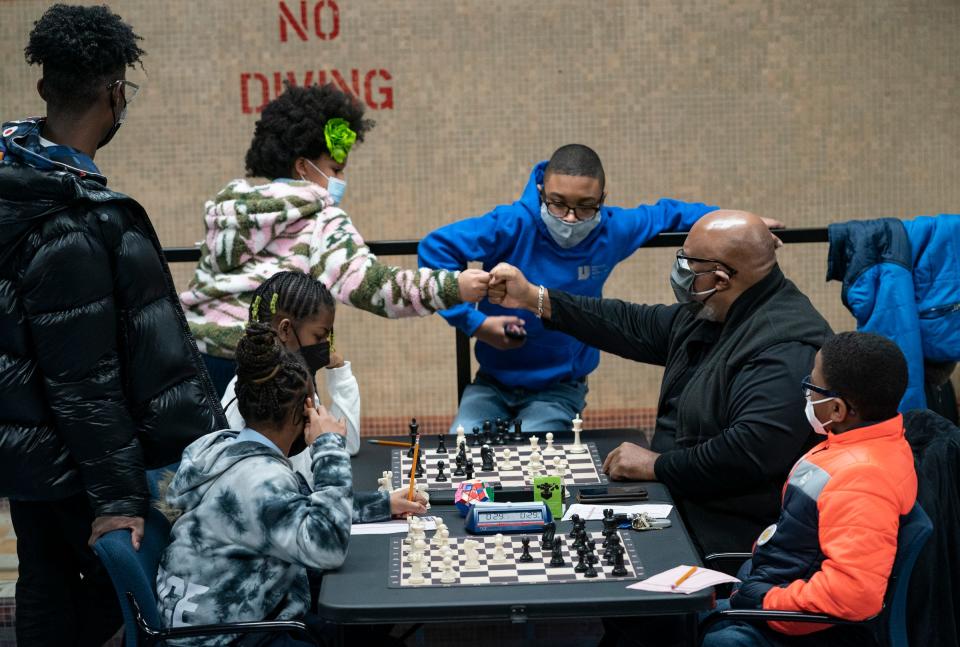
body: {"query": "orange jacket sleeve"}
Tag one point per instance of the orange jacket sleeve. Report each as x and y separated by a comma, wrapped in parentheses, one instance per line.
(859, 513)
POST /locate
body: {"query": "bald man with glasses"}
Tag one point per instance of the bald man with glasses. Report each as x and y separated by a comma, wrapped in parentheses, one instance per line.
(730, 419)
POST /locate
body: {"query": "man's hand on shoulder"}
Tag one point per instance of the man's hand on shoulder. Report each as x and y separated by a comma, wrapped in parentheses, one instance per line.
(493, 331)
(630, 462)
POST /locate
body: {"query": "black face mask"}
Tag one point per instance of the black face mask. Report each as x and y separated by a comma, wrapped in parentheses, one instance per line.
(117, 122)
(316, 356)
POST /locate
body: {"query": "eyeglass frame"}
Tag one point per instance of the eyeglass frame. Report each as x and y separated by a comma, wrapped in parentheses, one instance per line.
(806, 385)
(596, 209)
(730, 270)
(125, 84)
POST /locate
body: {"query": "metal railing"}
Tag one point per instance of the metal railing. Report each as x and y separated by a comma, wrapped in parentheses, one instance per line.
(409, 248)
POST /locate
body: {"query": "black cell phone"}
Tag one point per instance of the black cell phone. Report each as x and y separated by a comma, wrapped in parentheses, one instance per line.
(613, 494)
(514, 331)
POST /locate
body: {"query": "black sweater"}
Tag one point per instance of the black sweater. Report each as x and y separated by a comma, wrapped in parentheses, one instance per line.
(730, 420)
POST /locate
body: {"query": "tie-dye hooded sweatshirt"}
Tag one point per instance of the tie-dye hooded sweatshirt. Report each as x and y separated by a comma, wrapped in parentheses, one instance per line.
(255, 231)
(249, 529)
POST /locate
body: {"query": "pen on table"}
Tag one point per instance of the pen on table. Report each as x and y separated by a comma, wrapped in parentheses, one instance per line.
(413, 470)
(391, 443)
(683, 578)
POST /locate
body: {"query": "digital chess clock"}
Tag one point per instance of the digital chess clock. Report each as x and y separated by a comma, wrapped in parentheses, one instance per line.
(488, 518)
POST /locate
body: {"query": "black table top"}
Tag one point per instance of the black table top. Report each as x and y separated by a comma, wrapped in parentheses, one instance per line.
(358, 592)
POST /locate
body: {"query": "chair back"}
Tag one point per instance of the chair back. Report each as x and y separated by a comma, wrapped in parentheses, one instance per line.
(915, 529)
(135, 571)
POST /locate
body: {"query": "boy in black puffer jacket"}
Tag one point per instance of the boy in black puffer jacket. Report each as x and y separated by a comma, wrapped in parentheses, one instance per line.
(101, 378)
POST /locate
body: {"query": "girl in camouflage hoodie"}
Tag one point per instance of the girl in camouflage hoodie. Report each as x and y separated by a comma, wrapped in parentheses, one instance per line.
(250, 526)
(256, 230)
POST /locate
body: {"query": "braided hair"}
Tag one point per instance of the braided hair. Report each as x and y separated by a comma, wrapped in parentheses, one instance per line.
(270, 379)
(295, 294)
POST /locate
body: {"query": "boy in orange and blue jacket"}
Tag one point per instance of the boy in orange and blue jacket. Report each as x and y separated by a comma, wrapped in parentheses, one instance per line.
(832, 549)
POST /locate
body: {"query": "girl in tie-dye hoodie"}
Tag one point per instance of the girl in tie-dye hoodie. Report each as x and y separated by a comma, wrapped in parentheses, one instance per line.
(293, 222)
(248, 526)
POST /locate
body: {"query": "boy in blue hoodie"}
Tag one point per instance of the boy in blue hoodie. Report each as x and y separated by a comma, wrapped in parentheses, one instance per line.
(559, 232)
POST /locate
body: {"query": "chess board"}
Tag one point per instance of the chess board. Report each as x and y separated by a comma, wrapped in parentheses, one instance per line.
(538, 571)
(583, 469)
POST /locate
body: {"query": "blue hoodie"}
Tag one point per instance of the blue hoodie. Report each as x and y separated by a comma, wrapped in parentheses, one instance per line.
(516, 234)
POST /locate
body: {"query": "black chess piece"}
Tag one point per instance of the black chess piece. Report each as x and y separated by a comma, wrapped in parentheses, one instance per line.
(475, 438)
(441, 477)
(525, 556)
(581, 560)
(590, 570)
(549, 530)
(619, 568)
(556, 557)
(576, 526)
(486, 456)
(459, 470)
(579, 540)
(469, 469)
(414, 434)
(487, 437)
(419, 470)
(441, 444)
(501, 438)
(612, 548)
(517, 431)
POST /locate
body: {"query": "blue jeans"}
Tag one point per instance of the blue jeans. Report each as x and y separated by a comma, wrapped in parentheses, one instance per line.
(550, 409)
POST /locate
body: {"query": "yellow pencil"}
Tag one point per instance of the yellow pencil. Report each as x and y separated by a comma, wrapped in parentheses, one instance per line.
(392, 443)
(413, 470)
(683, 578)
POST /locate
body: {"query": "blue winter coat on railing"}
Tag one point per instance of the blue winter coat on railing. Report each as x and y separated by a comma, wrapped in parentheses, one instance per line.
(901, 279)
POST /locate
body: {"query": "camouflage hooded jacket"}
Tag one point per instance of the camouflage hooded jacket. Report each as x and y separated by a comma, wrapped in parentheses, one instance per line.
(255, 231)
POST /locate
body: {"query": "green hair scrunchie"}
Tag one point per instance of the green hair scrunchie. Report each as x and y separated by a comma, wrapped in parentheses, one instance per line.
(340, 138)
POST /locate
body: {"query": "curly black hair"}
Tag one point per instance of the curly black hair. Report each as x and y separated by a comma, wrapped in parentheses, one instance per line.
(869, 371)
(271, 381)
(291, 127)
(80, 49)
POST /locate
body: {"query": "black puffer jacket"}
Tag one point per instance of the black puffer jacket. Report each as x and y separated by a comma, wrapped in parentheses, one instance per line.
(99, 375)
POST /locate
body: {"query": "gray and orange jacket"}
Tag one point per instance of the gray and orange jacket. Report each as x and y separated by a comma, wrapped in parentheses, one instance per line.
(832, 549)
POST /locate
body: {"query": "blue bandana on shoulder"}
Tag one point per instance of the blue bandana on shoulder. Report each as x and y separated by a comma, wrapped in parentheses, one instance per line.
(20, 143)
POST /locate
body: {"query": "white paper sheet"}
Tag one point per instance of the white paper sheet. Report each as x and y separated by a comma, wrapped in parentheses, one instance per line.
(595, 512)
(392, 527)
(701, 579)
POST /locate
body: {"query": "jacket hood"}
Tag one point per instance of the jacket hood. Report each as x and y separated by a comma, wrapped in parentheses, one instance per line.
(204, 461)
(244, 218)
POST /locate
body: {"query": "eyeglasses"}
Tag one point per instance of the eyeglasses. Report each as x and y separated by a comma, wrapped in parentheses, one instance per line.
(130, 89)
(808, 388)
(686, 258)
(561, 209)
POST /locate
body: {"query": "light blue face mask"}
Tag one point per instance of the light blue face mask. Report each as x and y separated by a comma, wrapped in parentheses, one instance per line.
(335, 186)
(567, 234)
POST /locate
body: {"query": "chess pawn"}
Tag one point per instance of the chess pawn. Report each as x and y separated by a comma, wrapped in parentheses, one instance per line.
(558, 467)
(441, 475)
(577, 447)
(461, 437)
(416, 568)
(506, 460)
(441, 444)
(499, 555)
(449, 576)
(459, 462)
(525, 556)
(550, 449)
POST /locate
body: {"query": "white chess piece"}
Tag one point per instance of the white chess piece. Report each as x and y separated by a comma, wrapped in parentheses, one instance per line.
(472, 553)
(449, 576)
(534, 443)
(461, 438)
(577, 447)
(416, 568)
(506, 459)
(386, 481)
(536, 460)
(499, 555)
(419, 546)
(550, 449)
(422, 491)
(558, 467)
